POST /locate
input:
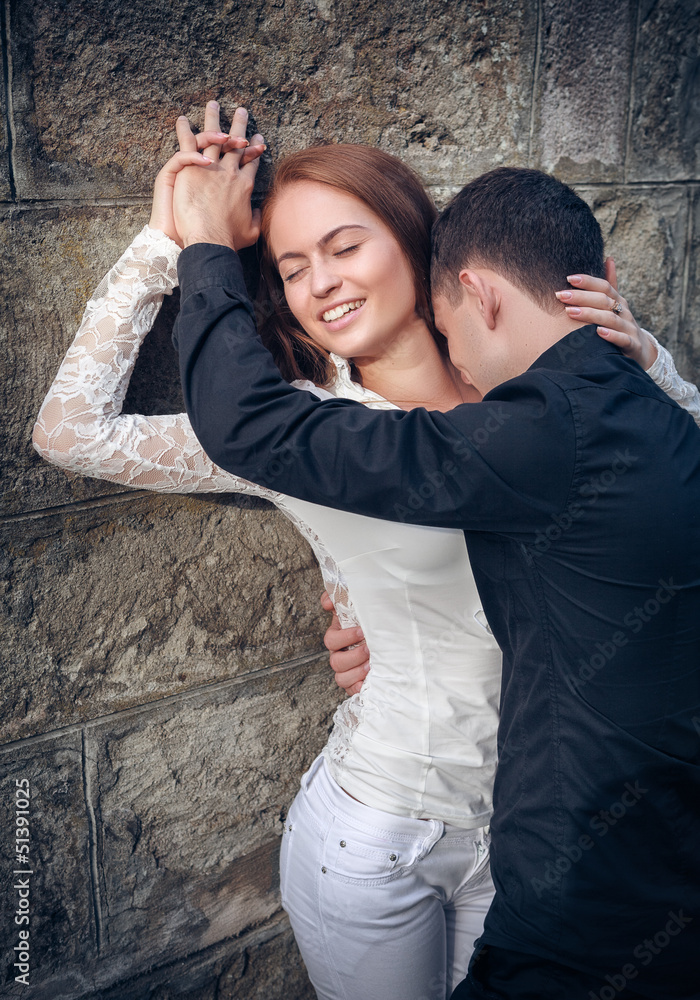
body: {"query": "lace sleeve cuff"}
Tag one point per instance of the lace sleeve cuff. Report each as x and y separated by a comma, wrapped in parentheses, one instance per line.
(663, 373)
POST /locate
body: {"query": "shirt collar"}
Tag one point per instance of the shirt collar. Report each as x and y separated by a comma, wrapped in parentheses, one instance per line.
(569, 353)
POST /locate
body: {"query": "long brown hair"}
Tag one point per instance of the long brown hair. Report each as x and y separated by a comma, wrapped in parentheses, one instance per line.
(393, 192)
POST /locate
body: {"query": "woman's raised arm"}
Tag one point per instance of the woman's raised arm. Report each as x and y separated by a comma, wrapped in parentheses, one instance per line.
(80, 425)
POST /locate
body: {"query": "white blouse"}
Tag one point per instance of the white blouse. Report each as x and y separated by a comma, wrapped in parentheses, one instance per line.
(420, 738)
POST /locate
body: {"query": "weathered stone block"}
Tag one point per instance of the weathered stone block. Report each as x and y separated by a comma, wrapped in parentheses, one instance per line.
(190, 795)
(98, 86)
(645, 232)
(580, 134)
(61, 915)
(116, 605)
(665, 123)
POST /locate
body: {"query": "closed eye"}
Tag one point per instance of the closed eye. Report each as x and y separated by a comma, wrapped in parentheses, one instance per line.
(346, 250)
(294, 274)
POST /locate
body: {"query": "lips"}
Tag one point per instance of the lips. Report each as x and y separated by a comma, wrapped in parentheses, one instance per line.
(340, 310)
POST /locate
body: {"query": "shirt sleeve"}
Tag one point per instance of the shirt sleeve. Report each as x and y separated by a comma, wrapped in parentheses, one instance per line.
(80, 426)
(506, 463)
(664, 373)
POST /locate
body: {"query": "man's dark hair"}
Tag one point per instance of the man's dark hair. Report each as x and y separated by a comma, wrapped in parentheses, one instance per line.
(523, 224)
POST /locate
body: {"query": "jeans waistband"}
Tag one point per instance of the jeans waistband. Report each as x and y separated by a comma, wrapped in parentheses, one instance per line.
(318, 781)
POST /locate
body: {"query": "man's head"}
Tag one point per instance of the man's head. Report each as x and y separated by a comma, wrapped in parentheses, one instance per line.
(501, 249)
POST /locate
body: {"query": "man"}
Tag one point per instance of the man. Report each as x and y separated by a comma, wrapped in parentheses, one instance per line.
(577, 483)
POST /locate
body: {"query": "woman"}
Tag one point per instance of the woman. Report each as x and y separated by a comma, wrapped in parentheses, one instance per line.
(385, 851)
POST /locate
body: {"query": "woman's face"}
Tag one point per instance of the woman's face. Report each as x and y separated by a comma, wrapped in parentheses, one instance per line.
(345, 277)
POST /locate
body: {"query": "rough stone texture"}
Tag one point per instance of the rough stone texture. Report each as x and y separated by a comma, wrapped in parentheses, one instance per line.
(586, 56)
(263, 965)
(111, 606)
(645, 232)
(448, 84)
(62, 928)
(190, 796)
(665, 126)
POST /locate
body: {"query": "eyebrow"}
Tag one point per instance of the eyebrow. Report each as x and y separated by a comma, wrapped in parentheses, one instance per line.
(324, 241)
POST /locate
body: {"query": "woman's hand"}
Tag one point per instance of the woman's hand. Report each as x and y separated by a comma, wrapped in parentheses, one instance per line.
(213, 205)
(592, 299)
(349, 654)
(195, 150)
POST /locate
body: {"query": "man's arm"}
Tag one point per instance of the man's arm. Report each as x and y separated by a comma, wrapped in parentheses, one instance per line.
(503, 464)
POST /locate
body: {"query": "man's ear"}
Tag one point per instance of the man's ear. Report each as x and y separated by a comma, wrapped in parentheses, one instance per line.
(485, 294)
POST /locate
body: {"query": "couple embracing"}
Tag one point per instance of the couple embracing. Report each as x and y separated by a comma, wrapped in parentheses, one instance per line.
(530, 496)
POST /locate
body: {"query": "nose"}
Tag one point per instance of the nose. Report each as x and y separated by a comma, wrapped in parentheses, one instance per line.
(324, 279)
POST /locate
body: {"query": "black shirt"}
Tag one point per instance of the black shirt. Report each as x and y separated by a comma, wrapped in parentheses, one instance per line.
(577, 485)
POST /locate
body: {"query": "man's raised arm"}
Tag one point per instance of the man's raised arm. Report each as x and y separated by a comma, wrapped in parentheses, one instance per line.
(482, 465)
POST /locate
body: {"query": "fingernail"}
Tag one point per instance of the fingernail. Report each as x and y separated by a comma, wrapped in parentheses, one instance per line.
(257, 138)
(573, 310)
(575, 279)
(222, 135)
(182, 118)
(359, 634)
(604, 332)
(242, 113)
(214, 105)
(208, 159)
(563, 295)
(365, 667)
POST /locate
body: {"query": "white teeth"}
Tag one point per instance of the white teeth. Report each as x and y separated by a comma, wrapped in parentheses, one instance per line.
(339, 311)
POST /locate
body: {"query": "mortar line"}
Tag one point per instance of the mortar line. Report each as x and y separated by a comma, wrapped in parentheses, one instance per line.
(535, 80)
(92, 844)
(41, 204)
(630, 99)
(9, 110)
(136, 710)
(686, 262)
(67, 508)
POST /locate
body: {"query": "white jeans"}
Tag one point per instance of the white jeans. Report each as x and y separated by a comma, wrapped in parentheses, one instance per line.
(381, 906)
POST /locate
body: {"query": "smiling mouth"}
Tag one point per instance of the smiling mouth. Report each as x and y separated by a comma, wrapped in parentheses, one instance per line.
(339, 311)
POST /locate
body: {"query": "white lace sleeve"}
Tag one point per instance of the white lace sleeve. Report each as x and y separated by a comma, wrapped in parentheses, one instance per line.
(80, 425)
(664, 373)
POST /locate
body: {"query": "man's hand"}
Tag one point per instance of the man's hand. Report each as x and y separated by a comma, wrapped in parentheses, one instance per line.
(211, 204)
(349, 654)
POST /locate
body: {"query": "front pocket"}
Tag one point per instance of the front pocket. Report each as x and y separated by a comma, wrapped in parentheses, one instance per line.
(361, 856)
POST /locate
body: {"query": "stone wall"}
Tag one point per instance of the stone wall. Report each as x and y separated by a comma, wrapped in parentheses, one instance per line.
(163, 678)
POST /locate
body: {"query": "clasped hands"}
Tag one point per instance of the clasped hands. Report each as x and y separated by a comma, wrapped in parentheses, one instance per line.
(202, 194)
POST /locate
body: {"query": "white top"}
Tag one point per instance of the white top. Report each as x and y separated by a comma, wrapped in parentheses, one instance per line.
(420, 738)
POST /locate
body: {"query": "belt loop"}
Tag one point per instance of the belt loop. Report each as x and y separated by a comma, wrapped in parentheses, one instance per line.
(308, 777)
